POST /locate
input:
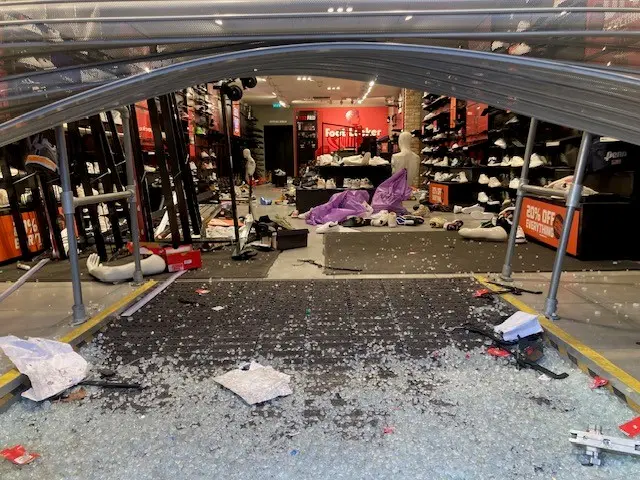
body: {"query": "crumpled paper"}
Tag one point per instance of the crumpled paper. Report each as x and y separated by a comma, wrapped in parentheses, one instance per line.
(51, 366)
(257, 383)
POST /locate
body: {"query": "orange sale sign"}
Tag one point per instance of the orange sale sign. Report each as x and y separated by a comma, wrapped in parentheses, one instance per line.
(439, 193)
(543, 221)
(9, 245)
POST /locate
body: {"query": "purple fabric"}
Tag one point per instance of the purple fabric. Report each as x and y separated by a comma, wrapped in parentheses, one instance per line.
(339, 207)
(391, 193)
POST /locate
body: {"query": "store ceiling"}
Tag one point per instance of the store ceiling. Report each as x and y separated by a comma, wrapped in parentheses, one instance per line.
(316, 91)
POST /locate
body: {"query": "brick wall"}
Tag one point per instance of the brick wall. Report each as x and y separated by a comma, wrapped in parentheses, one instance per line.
(413, 115)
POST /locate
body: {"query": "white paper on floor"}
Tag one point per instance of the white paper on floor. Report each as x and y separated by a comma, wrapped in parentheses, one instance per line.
(256, 384)
(51, 366)
(520, 324)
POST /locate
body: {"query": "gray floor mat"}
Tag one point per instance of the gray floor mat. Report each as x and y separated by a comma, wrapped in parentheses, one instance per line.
(442, 252)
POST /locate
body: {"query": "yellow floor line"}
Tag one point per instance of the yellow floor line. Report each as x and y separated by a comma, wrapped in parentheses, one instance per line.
(13, 374)
(552, 328)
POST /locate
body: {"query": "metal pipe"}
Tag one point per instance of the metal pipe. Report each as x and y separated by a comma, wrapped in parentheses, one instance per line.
(573, 203)
(133, 201)
(524, 180)
(22, 280)
(542, 191)
(103, 197)
(79, 313)
(321, 15)
(232, 187)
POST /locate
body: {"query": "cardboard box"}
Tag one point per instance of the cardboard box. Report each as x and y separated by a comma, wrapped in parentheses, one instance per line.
(182, 258)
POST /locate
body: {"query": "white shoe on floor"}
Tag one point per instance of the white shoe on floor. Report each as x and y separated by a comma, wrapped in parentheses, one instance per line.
(491, 234)
(457, 209)
(392, 220)
(472, 208)
(380, 219)
(478, 215)
(328, 227)
(520, 236)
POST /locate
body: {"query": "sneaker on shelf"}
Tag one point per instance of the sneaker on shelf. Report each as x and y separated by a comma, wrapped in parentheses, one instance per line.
(204, 155)
(437, 176)
(473, 208)
(483, 179)
(501, 143)
(43, 157)
(392, 219)
(321, 183)
(455, 146)
(443, 163)
(428, 128)
(514, 183)
(494, 183)
(417, 132)
(520, 236)
(355, 183)
(456, 162)
(519, 49)
(483, 197)
(536, 161)
(331, 184)
(425, 160)
(4, 198)
(497, 45)
(512, 120)
(426, 149)
(493, 162)
(366, 183)
(462, 177)
(506, 161)
(457, 209)
(517, 161)
(439, 136)
(446, 177)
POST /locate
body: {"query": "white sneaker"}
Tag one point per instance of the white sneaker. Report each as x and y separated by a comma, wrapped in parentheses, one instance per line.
(437, 176)
(462, 177)
(506, 161)
(483, 197)
(494, 183)
(328, 227)
(514, 183)
(380, 219)
(426, 149)
(457, 209)
(331, 184)
(536, 161)
(501, 143)
(443, 163)
(519, 49)
(366, 183)
(493, 162)
(520, 236)
(483, 179)
(392, 220)
(446, 177)
(496, 45)
(473, 208)
(321, 183)
(517, 161)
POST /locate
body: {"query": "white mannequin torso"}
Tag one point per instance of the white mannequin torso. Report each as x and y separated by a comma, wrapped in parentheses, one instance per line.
(406, 159)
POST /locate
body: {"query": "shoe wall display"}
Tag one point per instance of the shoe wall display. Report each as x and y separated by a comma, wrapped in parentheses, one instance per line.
(483, 179)
(494, 183)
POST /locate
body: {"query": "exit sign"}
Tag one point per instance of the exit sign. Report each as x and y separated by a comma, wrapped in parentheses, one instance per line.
(277, 105)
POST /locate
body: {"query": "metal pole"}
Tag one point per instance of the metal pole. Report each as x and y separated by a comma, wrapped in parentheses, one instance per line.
(524, 179)
(79, 313)
(573, 203)
(133, 200)
(234, 208)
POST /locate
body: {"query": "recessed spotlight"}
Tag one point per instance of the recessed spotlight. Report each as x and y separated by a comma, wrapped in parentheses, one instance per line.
(604, 48)
(372, 83)
(255, 69)
(340, 10)
(304, 78)
(330, 10)
(337, 88)
(408, 17)
(218, 22)
(328, 88)
(349, 9)
(147, 69)
(299, 78)
(309, 79)
(608, 64)
(274, 94)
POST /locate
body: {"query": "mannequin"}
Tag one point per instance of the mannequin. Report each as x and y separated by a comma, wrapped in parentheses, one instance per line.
(151, 265)
(406, 159)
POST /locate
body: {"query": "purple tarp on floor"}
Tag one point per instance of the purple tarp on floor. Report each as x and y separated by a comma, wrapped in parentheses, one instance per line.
(340, 206)
(391, 193)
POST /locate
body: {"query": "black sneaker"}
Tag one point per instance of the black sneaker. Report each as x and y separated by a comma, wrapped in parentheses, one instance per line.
(43, 157)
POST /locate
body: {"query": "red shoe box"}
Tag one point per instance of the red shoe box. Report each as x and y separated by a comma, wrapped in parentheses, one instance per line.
(182, 258)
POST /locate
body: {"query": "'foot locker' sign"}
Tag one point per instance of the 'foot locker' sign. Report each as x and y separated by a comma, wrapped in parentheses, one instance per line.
(543, 221)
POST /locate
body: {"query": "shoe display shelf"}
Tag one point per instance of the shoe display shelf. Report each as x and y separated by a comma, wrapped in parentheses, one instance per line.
(307, 198)
(375, 173)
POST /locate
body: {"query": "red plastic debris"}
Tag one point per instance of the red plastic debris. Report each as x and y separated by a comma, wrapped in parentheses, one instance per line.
(387, 430)
(482, 292)
(497, 352)
(18, 455)
(631, 428)
(598, 382)
(467, 355)
(202, 291)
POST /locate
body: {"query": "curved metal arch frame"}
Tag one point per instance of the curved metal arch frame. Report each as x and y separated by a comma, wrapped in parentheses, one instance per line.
(607, 103)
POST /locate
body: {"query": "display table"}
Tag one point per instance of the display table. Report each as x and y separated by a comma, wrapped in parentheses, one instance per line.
(452, 193)
(599, 231)
(375, 173)
(307, 198)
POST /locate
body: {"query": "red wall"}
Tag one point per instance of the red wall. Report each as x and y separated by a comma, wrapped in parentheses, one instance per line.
(371, 118)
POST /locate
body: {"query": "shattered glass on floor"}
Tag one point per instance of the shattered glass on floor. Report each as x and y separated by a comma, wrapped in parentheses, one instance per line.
(381, 389)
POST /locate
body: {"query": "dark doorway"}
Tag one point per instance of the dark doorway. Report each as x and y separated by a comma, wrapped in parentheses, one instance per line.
(278, 148)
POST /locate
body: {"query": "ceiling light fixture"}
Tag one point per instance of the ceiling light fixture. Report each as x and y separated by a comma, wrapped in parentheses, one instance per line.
(261, 79)
(408, 17)
(274, 94)
(372, 83)
(349, 9)
(218, 22)
(340, 10)
(330, 10)
(282, 103)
